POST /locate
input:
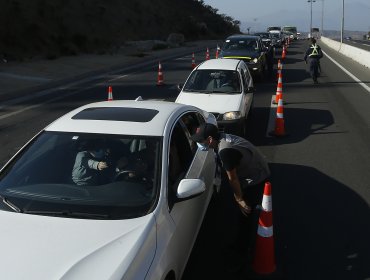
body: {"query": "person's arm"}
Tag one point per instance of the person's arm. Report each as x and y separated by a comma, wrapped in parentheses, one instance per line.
(305, 56)
(230, 159)
(238, 194)
(235, 183)
(97, 165)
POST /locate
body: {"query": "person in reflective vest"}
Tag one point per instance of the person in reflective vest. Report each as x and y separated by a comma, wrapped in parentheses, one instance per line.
(313, 56)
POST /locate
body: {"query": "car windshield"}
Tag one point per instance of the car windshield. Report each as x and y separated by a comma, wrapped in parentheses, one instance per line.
(241, 44)
(213, 81)
(275, 35)
(263, 35)
(84, 175)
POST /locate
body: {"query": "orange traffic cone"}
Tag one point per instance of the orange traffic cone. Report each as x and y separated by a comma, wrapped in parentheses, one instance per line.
(283, 55)
(193, 61)
(160, 75)
(279, 121)
(110, 94)
(217, 51)
(279, 69)
(207, 54)
(279, 88)
(264, 258)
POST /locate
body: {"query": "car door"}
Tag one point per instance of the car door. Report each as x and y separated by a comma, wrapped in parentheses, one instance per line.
(186, 160)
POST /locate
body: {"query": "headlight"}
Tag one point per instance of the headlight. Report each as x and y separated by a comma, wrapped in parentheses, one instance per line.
(253, 61)
(231, 116)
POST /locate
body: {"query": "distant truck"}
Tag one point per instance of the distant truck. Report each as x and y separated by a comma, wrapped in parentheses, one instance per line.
(315, 33)
(291, 31)
(273, 28)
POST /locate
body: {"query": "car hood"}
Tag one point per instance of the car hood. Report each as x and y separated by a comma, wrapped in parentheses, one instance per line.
(240, 53)
(214, 103)
(40, 247)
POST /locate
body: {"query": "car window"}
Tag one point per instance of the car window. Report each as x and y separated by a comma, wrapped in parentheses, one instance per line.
(190, 122)
(182, 151)
(114, 176)
(244, 78)
(249, 44)
(213, 81)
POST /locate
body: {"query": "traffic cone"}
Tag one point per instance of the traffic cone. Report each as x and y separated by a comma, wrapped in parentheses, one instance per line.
(160, 75)
(279, 88)
(217, 51)
(110, 94)
(279, 121)
(279, 69)
(193, 61)
(207, 54)
(283, 55)
(264, 258)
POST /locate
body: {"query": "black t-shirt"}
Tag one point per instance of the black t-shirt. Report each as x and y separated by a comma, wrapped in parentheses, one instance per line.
(230, 158)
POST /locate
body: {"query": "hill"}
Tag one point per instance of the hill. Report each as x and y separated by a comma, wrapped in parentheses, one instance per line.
(69, 27)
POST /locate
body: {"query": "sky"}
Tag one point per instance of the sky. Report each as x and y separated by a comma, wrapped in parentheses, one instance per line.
(258, 14)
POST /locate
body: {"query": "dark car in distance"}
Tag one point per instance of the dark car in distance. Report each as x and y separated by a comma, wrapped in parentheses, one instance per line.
(248, 48)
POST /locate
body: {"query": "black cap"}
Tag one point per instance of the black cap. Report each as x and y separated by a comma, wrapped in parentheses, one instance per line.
(204, 131)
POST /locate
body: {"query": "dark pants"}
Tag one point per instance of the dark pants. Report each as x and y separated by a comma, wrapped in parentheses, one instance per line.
(314, 68)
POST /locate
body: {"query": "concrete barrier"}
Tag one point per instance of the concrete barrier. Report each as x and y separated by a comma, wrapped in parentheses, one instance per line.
(359, 55)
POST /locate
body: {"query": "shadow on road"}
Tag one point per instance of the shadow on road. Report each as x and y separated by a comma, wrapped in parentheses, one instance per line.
(318, 235)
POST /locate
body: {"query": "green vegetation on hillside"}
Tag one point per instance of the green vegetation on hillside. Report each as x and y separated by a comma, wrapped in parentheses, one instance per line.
(52, 28)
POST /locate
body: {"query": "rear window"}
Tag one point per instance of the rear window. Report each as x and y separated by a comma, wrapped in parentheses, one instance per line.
(249, 44)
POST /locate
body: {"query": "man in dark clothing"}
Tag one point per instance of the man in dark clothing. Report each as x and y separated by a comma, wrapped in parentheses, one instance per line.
(270, 54)
(313, 54)
(245, 166)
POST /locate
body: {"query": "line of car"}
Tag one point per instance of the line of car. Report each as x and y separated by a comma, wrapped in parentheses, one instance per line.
(141, 220)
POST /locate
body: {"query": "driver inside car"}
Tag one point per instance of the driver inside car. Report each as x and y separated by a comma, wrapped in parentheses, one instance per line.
(89, 164)
(140, 165)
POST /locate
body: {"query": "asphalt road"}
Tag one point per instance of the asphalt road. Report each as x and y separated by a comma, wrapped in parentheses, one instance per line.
(320, 170)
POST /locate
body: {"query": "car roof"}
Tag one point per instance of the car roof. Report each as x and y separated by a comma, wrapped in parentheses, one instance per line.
(127, 117)
(220, 63)
(243, 36)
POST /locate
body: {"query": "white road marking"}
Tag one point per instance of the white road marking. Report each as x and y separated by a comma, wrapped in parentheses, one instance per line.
(118, 77)
(22, 77)
(366, 87)
(38, 105)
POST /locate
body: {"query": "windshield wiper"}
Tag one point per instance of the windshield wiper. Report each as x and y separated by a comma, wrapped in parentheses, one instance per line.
(67, 214)
(10, 204)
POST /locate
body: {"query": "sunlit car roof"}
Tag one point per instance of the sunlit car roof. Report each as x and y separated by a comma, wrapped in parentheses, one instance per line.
(119, 117)
(242, 36)
(219, 64)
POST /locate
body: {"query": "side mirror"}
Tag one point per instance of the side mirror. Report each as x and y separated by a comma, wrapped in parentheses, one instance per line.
(188, 188)
(180, 86)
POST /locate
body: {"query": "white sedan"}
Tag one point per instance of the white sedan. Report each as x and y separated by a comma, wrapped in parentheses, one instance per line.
(111, 190)
(223, 87)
